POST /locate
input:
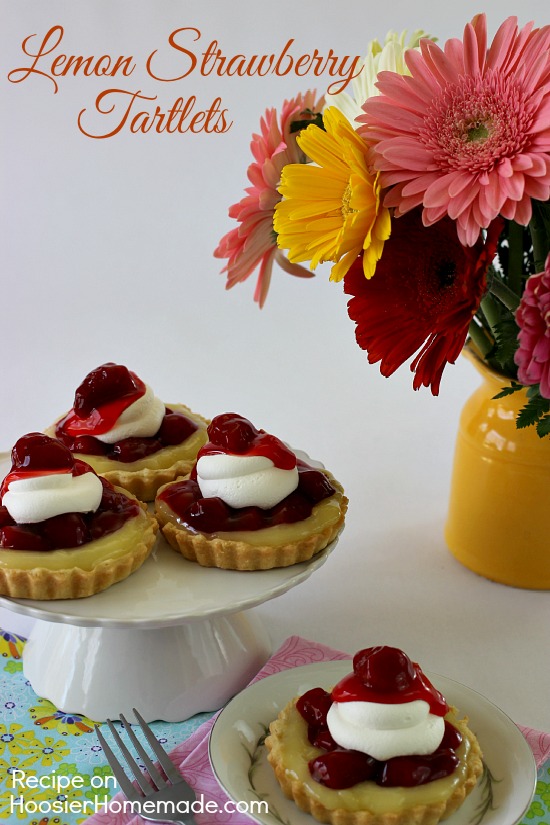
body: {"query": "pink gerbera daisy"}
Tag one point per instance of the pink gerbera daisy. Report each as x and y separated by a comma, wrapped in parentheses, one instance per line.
(468, 133)
(254, 242)
(533, 317)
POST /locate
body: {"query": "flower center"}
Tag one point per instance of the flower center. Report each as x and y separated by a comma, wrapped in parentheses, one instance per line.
(478, 121)
(477, 130)
(346, 201)
(439, 286)
(445, 272)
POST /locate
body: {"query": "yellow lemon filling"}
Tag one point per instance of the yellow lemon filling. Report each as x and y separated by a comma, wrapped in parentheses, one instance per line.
(296, 751)
(160, 460)
(324, 514)
(85, 557)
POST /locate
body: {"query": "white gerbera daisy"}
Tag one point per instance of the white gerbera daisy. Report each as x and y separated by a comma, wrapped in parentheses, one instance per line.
(389, 57)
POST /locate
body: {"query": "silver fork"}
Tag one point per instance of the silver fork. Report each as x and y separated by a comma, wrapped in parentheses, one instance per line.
(168, 799)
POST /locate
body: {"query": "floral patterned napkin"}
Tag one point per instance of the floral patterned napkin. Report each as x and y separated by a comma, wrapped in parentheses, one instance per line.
(191, 756)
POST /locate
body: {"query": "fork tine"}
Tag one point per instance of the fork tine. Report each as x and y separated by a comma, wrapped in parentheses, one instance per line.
(151, 770)
(120, 776)
(132, 764)
(166, 763)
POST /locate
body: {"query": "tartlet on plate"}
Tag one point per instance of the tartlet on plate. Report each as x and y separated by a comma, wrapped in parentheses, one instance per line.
(347, 786)
(53, 543)
(119, 427)
(214, 520)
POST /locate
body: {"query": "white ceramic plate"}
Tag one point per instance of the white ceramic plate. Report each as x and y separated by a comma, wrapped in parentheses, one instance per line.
(239, 760)
(167, 590)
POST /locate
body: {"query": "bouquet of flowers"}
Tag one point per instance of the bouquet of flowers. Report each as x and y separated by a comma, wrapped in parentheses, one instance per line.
(428, 189)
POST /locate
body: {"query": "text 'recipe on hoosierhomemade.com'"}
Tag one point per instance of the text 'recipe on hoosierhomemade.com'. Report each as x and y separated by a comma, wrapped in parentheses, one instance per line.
(116, 109)
(62, 801)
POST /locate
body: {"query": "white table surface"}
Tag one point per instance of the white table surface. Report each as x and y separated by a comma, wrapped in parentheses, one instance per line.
(106, 254)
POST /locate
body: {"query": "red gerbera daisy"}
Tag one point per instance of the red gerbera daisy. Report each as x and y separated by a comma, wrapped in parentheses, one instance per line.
(426, 290)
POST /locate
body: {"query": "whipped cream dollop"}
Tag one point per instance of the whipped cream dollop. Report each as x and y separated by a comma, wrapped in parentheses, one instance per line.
(141, 419)
(387, 707)
(384, 731)
(38, 497)
(245, 481)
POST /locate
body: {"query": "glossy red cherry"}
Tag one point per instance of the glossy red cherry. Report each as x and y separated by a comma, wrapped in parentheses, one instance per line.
(66, 530)
(36, 451)
(384, 669)
(209, 515)
(321, 738)
(315, 485)
(111, 500)
(17, 537)
(175, 429)
(341, 769)
(88, 445)
(248, 518)
(291, 509)
(410, 771)
(314, 705)
(107, 382)
(105, 522)
(452, 738)
(133, 449)
(5, 517)
(232, 432)
(180, 496)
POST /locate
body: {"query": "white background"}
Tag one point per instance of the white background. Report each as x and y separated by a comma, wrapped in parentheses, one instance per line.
(106, 254)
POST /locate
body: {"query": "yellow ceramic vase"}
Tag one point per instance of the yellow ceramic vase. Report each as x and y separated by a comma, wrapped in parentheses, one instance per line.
(499, 513)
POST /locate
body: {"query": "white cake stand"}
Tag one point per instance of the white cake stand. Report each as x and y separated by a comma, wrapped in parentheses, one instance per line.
(171, 640)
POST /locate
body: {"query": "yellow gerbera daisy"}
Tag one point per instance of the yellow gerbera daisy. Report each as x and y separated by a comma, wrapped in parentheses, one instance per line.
(332, 211)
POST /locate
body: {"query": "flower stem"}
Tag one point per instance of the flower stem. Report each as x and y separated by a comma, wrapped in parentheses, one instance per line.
(508, 297)
(515, 261)
(480, 338)
(539, 226)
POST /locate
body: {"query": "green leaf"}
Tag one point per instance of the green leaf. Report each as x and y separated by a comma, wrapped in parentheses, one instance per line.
(543, 426)
(533, 391)
(506, 342)
(508, 391)
(532, 412)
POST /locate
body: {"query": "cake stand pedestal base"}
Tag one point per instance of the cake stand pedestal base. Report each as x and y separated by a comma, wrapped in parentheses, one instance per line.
(167, 673)
(171, 640)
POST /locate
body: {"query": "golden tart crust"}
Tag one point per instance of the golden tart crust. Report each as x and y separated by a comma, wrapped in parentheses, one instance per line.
(93, 567)
(424, 805)
(259, 549)
(144, 477)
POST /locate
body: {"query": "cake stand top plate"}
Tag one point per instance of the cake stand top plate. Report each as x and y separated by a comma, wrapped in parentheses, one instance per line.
(168, 590)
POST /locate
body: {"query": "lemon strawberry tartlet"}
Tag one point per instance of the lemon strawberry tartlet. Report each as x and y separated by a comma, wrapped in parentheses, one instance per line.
(383, 747)
(127, 434)
(65, 533)
(249, 502)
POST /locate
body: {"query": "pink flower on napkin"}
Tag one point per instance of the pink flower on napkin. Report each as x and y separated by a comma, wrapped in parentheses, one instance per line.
(191, 756)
